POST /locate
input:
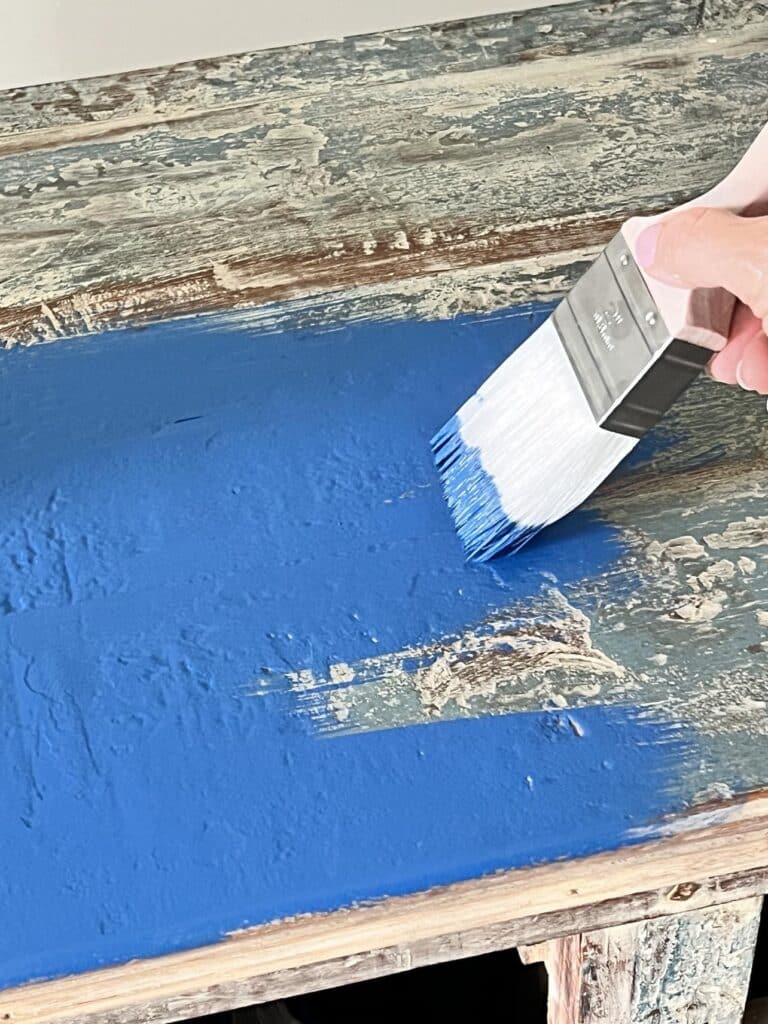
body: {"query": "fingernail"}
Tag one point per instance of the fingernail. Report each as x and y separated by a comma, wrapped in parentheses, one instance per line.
(646, 245)
(740, 379)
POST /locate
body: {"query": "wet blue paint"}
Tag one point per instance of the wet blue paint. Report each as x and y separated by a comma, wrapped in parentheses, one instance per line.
(187, 508)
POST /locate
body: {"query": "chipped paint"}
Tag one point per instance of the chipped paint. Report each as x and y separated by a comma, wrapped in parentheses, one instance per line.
(676, 549)
(702, 608)
(715, 573)
(673, 614)
(341, 672)
(137, 616)
(751, 532)
(550, 640)
(292, 185)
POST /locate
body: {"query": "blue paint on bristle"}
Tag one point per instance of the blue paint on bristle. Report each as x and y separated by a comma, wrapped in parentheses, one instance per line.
(483, 526)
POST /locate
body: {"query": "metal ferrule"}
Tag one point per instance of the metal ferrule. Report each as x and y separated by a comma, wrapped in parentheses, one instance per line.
(629, 366)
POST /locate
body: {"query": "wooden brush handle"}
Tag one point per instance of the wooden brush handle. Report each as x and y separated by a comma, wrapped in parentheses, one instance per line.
(703, 315)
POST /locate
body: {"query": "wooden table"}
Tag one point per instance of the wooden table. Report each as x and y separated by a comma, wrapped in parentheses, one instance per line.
(263, 730)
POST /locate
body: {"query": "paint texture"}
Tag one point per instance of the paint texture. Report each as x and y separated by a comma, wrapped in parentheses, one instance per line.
(192, 513)
(348, 163)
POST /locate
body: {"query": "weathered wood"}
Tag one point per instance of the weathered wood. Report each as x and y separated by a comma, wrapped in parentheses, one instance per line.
(535, 954)
(591, 977)
(392, 56)
(348, 166)
(256, 178)
(718, 862)
(693, 967)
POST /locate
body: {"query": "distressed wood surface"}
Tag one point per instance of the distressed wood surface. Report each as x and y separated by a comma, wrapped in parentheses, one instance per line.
(591, 976)
(692, 967)
(711, 862)
(337, 174)
(316, 168)
(335, 178)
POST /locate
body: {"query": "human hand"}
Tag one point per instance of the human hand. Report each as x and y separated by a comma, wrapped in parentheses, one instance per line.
(709, 248)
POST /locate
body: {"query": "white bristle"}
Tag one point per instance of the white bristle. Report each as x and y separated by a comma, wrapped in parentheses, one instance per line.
(524, 450)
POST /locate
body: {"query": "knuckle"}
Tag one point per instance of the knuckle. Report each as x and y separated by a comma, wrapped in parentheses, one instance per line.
(755, 289)
(755, 265)
(692, 233)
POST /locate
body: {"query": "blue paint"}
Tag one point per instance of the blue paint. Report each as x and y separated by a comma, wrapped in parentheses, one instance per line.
(187, 508)
(484, 528)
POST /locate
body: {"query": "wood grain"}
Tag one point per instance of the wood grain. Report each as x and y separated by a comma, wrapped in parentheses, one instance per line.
(722, 857)
(252, 179)
(694, 966)
(591, 976)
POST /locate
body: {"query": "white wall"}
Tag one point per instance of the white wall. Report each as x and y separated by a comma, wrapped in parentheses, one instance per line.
(52, 40)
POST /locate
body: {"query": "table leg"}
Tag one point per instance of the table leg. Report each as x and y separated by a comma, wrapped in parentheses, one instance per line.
(689, 968)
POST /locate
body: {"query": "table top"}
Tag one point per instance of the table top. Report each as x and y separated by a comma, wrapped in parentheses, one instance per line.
(247, 672)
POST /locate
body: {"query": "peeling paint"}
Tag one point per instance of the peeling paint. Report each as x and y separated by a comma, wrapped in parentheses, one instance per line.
(547, 643)
(748, 566)
(715, 573)
(703, 608)
(751, 532)
(676, 549)
(301, 184)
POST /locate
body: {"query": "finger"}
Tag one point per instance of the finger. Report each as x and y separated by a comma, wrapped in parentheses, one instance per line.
(752, 371)
(709, 248)
(746, 327)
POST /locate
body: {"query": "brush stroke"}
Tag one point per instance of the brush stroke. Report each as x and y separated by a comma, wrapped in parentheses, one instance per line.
(188, 508)
(677, 622)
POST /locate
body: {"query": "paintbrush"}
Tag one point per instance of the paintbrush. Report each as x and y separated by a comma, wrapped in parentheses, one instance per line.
(557, 417)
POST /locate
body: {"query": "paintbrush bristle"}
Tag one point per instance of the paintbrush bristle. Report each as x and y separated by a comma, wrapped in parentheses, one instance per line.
(524, 450)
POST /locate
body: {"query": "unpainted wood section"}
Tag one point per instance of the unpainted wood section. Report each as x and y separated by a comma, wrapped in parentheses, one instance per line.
(723, 858)
(591, 975)
(254, 179)
(693, 967)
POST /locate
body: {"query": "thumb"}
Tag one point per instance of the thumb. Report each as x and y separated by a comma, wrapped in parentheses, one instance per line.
(708, 248)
